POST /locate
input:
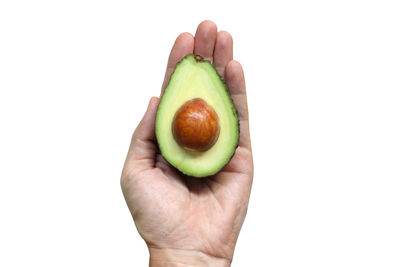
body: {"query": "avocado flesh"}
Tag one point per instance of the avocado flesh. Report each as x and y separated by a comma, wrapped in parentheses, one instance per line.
(192, 78)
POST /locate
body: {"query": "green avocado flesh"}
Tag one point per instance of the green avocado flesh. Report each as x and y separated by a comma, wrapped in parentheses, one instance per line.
(197, 78)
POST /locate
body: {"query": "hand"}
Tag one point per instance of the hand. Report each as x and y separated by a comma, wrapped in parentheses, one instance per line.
(186, 220)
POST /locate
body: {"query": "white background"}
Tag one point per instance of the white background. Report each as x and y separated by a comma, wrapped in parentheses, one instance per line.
(323, 83)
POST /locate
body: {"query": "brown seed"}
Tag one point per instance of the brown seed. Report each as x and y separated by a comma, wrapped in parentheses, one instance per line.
(196, 125)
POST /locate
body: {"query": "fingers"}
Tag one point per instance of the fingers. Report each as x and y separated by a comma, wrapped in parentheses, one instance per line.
(183, 45)
(204, 40)
(223, 51)
(234, 78)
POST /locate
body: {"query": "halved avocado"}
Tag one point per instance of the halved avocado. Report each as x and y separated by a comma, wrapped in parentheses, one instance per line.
(194, 79)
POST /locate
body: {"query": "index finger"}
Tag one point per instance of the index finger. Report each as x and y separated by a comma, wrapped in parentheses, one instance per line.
(183, 45)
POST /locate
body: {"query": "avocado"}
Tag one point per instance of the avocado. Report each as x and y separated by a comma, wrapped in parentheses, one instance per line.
(197, 126)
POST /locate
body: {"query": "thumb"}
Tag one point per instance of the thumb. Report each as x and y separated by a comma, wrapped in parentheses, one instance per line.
(145, 129)
(142, 150)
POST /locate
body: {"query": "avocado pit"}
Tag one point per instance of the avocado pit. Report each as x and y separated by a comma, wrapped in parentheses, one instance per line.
(196, 125)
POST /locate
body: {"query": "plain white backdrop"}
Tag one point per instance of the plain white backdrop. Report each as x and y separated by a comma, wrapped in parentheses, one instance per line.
(323, 81)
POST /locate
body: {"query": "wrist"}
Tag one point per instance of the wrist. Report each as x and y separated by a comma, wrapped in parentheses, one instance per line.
(180, 257)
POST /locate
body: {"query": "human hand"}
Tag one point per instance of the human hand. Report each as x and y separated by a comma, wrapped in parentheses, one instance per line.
(186, 220)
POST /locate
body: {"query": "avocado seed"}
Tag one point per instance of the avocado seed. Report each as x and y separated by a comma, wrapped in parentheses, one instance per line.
(196, 125)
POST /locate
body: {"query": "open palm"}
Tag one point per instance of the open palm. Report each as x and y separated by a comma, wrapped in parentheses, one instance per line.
(175, 213)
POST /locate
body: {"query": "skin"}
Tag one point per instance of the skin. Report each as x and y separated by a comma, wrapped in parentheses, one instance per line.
(188, 221)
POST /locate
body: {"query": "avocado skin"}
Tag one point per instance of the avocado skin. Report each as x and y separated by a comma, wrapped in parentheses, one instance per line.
(158, 131)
